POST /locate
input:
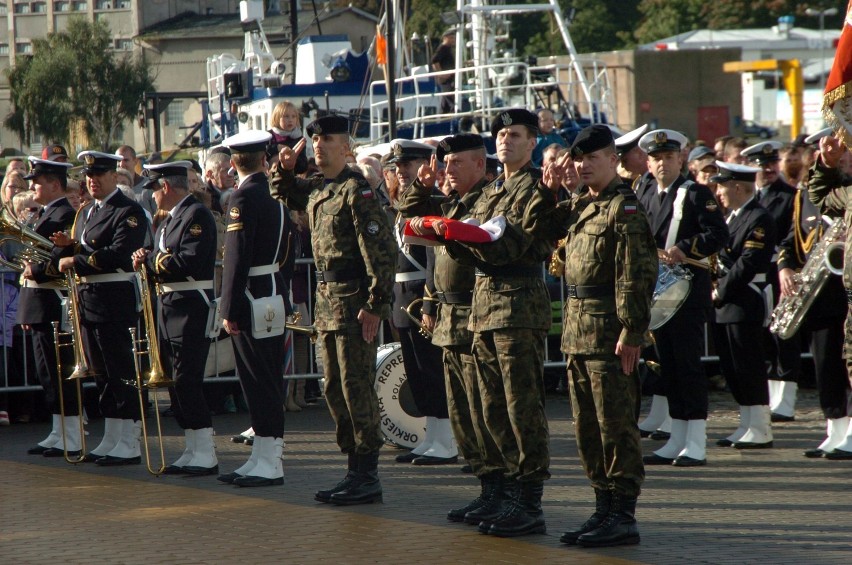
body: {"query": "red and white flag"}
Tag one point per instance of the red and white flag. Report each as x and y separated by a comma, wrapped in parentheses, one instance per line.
(837, 99)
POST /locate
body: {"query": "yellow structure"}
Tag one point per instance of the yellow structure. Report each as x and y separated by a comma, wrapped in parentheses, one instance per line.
(791, 74)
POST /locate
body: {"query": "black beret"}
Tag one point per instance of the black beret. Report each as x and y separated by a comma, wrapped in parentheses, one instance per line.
(514, 117)
(590, 139)
(459, 143)
(328, 125)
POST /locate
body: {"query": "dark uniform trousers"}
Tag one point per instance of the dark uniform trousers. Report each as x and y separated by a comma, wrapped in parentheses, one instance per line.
(742, 360)
(424, 372)
(832, 382)
(44, 354)
(108, 350)
(259, 363)
(685, 383)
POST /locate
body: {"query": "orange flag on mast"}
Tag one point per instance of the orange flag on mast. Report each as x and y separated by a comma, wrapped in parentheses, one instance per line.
(381, 48)
(837, 99)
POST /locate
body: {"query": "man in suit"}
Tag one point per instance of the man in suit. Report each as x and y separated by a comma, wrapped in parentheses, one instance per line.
(777, 197)
(182, 264)
(255, 249)
(687, 224)
(105, 234)
(40, 305)
(740, 302)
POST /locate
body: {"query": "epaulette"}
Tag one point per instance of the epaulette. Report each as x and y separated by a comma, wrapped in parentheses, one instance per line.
(626, 192)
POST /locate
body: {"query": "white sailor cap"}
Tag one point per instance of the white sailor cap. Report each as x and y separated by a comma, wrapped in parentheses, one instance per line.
(98, 162)
(763, 152)
(662, 140)
(250, 141)
(46, 167)
(407, 150)
(814, 138)
(734, 171)
(629, 140)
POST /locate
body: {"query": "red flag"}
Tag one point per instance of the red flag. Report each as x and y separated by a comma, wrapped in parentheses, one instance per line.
(381, 49)
(837, 99)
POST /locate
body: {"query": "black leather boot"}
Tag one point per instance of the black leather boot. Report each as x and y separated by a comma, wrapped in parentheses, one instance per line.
(603, 501)
(489, 483)
(523, 516)
(365, 487)
(618, 528)
(325, 495)
(493, 505)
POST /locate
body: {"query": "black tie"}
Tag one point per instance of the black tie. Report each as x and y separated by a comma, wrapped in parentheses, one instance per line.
(662, 196)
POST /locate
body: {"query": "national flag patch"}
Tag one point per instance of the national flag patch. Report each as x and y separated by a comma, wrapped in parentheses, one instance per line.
(630, 208)
(367, 192)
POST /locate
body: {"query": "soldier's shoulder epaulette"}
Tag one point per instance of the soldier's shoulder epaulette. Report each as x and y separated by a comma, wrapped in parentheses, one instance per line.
(626, 192)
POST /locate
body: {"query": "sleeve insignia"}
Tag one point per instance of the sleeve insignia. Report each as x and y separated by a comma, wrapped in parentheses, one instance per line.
(132, 221)
(711, 206)
(195, 230)
(234, 213)
(630, 208)
(367, 192)
(759, 233)
(373, 227)
(754, 245)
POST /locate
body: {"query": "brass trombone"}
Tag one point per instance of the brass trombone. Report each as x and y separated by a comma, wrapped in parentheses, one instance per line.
(310, 331)
(409, 311)
(79, 360)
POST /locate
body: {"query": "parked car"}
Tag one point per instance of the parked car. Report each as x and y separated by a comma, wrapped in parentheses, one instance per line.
(752, 128)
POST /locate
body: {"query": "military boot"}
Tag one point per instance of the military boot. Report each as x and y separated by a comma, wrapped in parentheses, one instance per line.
(365, 487)
(618, 528)
(603, 501)
(325, 495)
(489, 483)
(524, 515)
(493, 505)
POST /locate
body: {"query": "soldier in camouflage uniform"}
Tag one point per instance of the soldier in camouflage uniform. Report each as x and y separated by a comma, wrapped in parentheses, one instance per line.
(465, 157)
(610, 272)
(355, 253)
(509, 318)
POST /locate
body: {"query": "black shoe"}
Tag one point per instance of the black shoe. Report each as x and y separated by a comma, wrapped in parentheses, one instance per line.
(525, 516)
(238, 439)
(775, 417)
(838, 455)
(489, 483)
(724, 442)
(249, 481)
(196, 471)
(752, 445)
(110, 461)
(91, 457)
(37, 450)
(492, 506)
(249, 440)
(325, 495)
(644, 433)
(660, 435)
(168, 412)
(430, 460)
(365, 487)
(603, 501)
(228, 478)
(655, 459)
(56, 452)
(814, 453)
(406, 457)
(174, 470)
(618, 528)
(684, 461)
(467, 469)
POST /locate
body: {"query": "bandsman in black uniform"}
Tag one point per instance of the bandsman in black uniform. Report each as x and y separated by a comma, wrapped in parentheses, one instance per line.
(422, 359)
(40, 305)
(687, 225)
(777, 197)
(255, 248)
(182, 264)
(105, 234)
(741, 305)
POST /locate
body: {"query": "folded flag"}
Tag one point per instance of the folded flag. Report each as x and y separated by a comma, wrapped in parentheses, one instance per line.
(466, 231)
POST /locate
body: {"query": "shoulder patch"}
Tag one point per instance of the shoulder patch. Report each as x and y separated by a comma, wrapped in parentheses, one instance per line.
(234, 213)
(132, 221)
(373, 227)
(711, 206)
(759, 233)
(366, 192)
(195, 230)
(630, 208)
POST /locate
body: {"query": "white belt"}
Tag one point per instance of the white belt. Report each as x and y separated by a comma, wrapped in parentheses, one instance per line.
(28, 283)
(108, 278)
(184, 285)
(412, 276)
(264, 270)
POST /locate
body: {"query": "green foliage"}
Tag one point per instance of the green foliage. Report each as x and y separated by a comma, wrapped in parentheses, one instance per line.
(73, 75)
(424, 17)
(664, 18)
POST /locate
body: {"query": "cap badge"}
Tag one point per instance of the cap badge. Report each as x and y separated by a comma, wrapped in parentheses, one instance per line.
(767, 149)
(317, 128)
(661, 137)
(444, 145)
(506, 118)
(397, 150)
(57, 150)
(90, 159)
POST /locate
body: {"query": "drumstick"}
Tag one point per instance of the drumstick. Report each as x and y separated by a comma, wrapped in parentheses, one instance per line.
(694, 262)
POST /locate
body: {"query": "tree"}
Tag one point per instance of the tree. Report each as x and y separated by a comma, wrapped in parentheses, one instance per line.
(664, 18)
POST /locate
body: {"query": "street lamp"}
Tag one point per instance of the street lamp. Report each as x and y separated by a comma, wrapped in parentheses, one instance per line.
(821, 14)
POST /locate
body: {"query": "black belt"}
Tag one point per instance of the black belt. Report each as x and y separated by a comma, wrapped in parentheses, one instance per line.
(509, 271)
(340, 275)
(848, 296)
(588, 291)
(455, 297)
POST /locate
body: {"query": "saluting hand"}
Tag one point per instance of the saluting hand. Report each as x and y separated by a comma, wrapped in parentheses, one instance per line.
(428, 174)
(830, 151)
(287, 157)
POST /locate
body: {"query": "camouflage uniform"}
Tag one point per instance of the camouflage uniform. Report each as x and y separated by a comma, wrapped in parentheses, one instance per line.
(611, 270)
(454, 286)
(355, 254)
(509, 318)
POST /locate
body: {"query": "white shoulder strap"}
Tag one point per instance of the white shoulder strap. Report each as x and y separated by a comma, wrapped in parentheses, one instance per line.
(677, 214)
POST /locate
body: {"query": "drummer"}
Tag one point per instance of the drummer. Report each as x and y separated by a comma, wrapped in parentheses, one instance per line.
(688, 227)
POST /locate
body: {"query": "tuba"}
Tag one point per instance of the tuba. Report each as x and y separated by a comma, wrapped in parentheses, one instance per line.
(35, 248)
(825, 259)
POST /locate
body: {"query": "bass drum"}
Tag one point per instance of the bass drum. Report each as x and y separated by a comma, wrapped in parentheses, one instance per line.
(402, 424)
(673, 286)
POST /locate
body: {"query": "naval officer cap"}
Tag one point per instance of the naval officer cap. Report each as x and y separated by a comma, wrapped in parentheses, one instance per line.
(814, 138)
(734, 171)
(629, 140)
(96, 162)
(458, 143)
(46, 167)
(251, 141)
(407, 150)
(763, 152)
(173, 169)
(514, 117)
(590, 139)
(662, 140)
(327, 125)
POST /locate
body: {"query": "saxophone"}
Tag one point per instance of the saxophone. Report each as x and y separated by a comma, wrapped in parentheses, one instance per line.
(556, 267)
(825, 259)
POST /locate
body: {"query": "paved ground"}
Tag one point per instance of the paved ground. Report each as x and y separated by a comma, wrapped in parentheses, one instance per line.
(772, 506)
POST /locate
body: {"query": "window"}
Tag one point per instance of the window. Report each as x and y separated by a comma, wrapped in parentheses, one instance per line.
(79, 6)
(123, 4)
(103, 5)
(123, 44)
(22, 8)
(39, 7)
(3, 9)
(174, 113)
(4, 48)
(61, 6)
(24, 48)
